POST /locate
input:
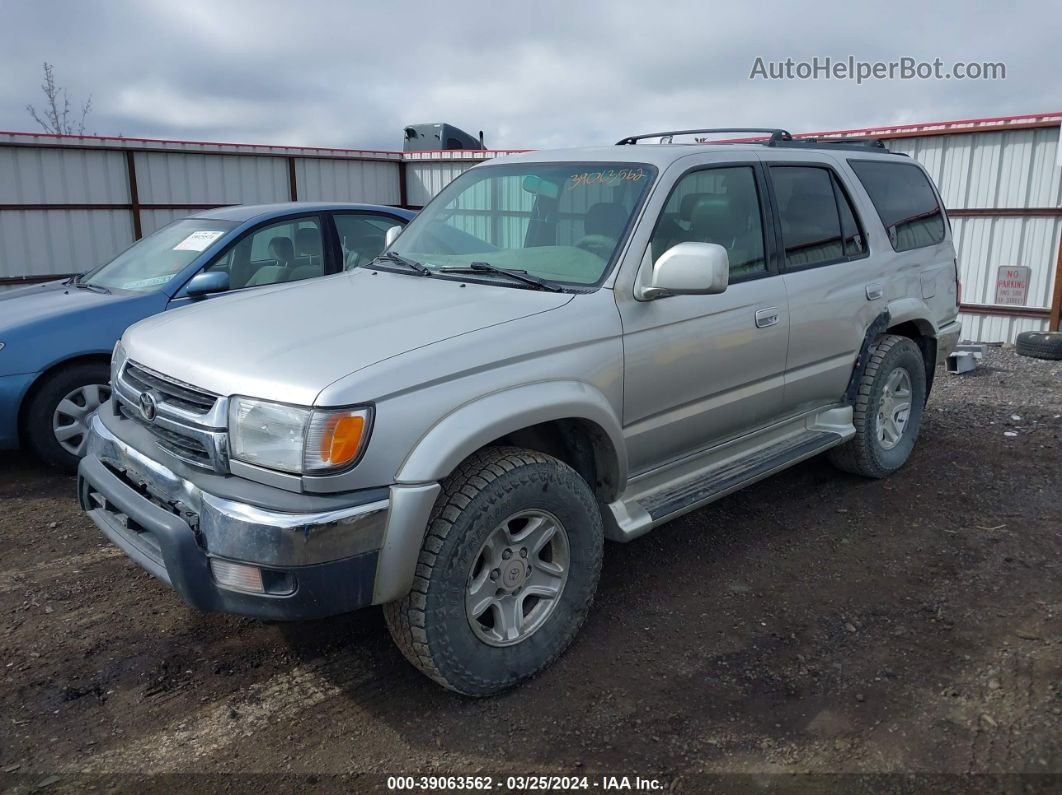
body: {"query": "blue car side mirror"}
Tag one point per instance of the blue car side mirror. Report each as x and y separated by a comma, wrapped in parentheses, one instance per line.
(206, 283)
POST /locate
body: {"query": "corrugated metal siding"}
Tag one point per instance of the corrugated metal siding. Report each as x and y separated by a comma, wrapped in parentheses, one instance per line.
(41, 242)
(995, 328)
(375, 182)
(153, 220)
(1014, 168)
(424, 180)
(62, 176)
(986, 244)
(172, 178)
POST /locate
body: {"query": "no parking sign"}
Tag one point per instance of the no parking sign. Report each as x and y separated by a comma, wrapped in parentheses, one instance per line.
(1012, 285)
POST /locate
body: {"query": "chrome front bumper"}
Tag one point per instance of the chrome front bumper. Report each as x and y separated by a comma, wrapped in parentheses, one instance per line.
(239, 531)
(312, 564)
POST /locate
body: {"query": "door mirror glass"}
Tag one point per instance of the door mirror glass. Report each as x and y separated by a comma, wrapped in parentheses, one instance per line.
(392, 236)
(206, 283)
(689, 269)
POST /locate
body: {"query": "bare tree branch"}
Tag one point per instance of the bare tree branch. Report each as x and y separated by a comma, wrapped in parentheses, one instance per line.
(55, 117)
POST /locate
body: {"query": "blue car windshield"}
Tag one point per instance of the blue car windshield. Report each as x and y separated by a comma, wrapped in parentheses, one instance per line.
(151, 262)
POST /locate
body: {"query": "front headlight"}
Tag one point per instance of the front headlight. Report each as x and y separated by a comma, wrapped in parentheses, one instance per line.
(295, 439)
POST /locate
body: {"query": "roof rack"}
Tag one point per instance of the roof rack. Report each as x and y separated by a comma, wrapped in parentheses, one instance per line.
(773, 137)
(776, 134)
(857, 144)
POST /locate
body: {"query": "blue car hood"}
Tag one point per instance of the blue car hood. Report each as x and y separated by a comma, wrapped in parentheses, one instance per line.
(47, 323)
(43, 302)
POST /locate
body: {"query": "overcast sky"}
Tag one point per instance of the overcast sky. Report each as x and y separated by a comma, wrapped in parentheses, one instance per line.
(531, 74)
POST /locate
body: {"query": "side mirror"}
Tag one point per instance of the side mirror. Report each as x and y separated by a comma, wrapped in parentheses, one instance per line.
(206, 283)
(689, 269)
(391, 236)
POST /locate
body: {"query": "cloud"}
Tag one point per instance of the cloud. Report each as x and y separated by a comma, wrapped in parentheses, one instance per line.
(545, 74)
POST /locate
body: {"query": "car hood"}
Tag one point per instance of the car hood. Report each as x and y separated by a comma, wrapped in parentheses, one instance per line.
(43, 302)
(290, 342)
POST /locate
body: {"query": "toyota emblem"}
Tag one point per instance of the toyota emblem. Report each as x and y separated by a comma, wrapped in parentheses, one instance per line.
(148, 407)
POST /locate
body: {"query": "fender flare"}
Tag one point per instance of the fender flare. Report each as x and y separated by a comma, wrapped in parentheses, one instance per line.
(874, 332)
(479, 422)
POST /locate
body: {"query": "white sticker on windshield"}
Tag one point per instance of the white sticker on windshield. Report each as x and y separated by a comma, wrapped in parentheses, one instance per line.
(197, 241)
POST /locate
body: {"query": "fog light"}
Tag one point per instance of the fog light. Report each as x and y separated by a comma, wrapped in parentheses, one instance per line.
(237, 576)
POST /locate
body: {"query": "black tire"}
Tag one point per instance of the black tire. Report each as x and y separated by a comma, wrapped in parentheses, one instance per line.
(865, 454)
(38, 430)
(1040, 345)
(430, 625)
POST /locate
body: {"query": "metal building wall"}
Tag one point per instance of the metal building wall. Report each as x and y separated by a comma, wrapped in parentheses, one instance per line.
(348, 181)
(427, 173)
(68, 203)
(91, 226)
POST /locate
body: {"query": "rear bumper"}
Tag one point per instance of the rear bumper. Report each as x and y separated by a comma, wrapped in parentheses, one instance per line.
(12, 389)
(947, 339)
(312, 564)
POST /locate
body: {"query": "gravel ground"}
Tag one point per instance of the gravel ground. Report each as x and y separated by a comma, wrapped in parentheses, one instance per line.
(813, 623)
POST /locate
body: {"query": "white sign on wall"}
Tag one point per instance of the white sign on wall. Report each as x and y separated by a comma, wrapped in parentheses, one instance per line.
(1012, 285)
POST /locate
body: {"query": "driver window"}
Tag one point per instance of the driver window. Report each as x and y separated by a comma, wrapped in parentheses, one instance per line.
(718, 205)
(288, 251)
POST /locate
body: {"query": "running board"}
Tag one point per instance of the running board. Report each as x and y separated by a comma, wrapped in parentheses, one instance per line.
(660, 502)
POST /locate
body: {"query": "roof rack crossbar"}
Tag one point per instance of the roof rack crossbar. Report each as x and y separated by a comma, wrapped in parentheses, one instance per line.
(775, 134)
(853, 143)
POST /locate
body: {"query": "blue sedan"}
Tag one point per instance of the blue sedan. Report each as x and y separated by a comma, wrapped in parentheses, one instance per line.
(56, 338)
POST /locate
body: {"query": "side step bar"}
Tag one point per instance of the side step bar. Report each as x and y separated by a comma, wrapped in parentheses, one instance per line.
(643, 512)
(686, 496)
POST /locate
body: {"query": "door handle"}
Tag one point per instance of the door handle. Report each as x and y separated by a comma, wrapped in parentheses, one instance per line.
(767, 317)
(874, 291)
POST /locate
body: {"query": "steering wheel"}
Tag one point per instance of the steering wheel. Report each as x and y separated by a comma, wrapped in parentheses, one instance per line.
(598, 245)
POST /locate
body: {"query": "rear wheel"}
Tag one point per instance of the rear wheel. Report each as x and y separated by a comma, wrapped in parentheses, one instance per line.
(888, 410)
(506, 574)
(57, 417)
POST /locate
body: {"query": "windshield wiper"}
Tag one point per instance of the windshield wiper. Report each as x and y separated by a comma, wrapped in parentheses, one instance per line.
(512, 273)
(95, 288)
(394, 256)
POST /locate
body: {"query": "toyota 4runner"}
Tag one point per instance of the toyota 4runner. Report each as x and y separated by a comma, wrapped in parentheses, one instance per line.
(562, 348)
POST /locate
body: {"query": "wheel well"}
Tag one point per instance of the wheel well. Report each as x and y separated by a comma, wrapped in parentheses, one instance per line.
(921, 333)
(581, 444)
(88, 358)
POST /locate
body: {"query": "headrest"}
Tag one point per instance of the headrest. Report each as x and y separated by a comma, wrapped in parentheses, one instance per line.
(689, 201)
(308, 242)
(606, 218)
(282, 247)
(717, 219)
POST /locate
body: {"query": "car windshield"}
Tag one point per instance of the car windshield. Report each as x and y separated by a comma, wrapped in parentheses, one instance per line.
(151, 262)
(562, 222)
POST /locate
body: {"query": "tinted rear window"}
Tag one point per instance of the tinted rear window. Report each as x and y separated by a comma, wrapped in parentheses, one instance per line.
(905, 202)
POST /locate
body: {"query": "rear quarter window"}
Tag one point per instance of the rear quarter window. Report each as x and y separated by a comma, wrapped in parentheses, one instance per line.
(905, 201)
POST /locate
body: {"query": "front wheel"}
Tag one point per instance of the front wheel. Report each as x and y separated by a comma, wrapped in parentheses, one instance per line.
(506, 574)
(58, 414)
(888, 410)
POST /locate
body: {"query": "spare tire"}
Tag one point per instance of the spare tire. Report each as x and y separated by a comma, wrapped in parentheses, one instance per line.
(1040, 344)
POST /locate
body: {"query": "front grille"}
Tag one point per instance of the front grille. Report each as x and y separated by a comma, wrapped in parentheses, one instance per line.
(177, 394)
(184, 447)
(188, 424)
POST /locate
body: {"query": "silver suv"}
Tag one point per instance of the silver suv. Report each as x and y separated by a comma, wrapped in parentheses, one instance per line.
(562, 348)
